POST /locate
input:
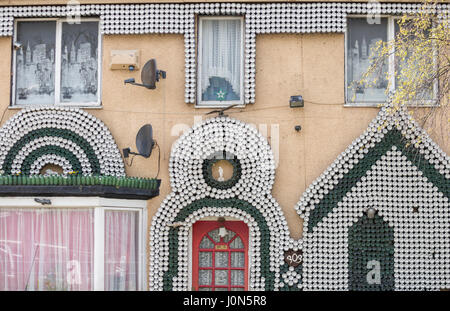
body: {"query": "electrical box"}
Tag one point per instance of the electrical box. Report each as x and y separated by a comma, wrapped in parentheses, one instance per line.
(125, 59)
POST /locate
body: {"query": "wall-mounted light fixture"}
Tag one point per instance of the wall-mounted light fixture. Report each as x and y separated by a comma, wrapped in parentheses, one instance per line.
(296, 101)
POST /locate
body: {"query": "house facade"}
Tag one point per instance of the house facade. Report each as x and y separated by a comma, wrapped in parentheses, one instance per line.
(304, 184)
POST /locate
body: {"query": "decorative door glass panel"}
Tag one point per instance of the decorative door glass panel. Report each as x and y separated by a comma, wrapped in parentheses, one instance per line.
(206, 243)
(237, 243)
(205, 259)
(228, 236)
(221, 259)
(221, 277)
(237, 259)
(237, 277)
(205, 277)
(220, 255)
(79, 62)
(35, 63)
(214, 235)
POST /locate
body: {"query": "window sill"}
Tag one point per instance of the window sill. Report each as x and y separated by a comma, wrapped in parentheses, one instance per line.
(367, 105)
(225, 104)
(428, 104)
(86, 106)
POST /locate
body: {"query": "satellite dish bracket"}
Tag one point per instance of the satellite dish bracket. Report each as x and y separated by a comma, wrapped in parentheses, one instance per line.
(149, 75)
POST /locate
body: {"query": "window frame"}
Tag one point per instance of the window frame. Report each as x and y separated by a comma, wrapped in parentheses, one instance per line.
(391, 68)
(58, 37)
(99, 205)
(199, 103)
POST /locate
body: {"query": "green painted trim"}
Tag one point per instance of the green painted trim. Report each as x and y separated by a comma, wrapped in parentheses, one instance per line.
(212, 182)
(392, 138)
(52, 132)
(79, 180)
(49, 149)
(370, 239)
(210, 202)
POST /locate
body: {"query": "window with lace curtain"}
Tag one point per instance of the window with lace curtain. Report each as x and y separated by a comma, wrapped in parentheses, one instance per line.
(56, 62)
(220, 61)
(72, 249)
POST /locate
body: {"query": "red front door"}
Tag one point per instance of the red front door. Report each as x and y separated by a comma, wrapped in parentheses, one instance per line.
(220, 257)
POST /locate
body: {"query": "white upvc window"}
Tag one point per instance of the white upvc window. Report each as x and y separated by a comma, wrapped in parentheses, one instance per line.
(82, 243)
(56, 62)
(360, 38)
(220, 73)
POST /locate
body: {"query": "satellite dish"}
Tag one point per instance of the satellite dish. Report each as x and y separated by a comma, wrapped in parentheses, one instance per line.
(144, 140)
(149, 75)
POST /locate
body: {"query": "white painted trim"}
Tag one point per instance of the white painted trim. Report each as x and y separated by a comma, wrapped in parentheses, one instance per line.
(58, 37)
(56, 202)
(143, 264)
(70, 202)
(58, 52)
(391, 65)
(99, 249)
(218, 104)
(108, 202)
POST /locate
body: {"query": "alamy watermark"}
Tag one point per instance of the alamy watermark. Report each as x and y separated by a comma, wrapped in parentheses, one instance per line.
(270, 131)
(373, 12)
(73, 8)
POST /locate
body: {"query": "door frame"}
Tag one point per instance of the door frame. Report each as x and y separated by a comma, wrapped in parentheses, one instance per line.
(202, 227)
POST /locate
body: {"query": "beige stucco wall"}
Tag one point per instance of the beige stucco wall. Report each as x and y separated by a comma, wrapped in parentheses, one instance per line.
(311, 65)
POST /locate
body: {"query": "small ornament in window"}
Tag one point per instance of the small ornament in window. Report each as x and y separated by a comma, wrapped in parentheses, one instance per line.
(221, 95)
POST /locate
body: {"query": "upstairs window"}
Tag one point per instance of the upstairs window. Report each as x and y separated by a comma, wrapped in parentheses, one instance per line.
(56, 62)
(361, 38)
(220, 62)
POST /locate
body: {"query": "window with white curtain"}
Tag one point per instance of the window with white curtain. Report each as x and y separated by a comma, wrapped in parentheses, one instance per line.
(220, 61)
(121, 250)
(70, 249)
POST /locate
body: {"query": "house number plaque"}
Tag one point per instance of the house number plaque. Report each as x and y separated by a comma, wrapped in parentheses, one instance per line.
(293, 258)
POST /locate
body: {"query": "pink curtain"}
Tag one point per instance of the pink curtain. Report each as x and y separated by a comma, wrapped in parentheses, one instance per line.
(121, 258)
(46, 249)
